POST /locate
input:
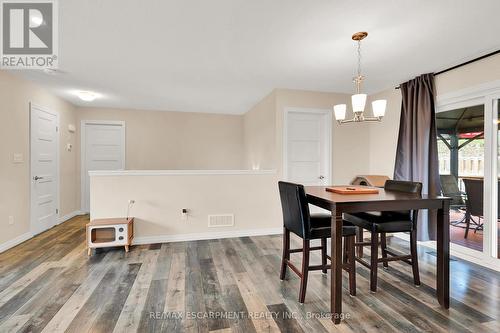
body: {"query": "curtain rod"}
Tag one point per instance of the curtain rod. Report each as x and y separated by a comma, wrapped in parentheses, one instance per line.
(465, 63)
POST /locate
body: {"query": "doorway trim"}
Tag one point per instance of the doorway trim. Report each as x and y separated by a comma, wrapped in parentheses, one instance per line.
(329, 135)
(83, 161)
(58, 169)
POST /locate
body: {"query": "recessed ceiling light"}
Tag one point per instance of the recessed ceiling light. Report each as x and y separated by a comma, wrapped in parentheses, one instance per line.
(87, 96)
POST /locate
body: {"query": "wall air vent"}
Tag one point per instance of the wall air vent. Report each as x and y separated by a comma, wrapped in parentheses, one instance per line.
(220, 220)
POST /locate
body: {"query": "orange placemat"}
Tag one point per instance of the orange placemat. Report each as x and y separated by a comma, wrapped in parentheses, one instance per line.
(352, 190)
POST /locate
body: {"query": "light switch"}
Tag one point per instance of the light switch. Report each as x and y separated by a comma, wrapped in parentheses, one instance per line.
(18, 158)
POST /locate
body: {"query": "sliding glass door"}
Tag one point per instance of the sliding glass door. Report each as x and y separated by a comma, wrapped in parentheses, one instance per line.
(469, 164)
(496, 228)
(461, 151)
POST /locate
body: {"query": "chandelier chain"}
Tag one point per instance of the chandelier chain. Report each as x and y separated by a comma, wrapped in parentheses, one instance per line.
(359, 58)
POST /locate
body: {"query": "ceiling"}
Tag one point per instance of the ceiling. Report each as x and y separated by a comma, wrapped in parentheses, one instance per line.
(223, 56)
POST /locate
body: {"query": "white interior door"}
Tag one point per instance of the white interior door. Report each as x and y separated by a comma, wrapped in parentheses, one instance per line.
(308, 147)
(103, 148)
(44, 159)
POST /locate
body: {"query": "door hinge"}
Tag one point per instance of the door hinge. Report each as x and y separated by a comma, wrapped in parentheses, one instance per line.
(57, 211)
(57, 128)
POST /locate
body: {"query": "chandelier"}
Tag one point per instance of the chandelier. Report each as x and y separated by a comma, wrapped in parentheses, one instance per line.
(359, 100)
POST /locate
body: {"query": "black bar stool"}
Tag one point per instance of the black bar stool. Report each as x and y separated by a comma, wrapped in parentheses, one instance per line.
(384, 222)
(297, 219)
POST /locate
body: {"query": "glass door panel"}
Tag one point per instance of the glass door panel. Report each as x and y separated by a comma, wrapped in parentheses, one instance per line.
(496, 109)
(461, 151)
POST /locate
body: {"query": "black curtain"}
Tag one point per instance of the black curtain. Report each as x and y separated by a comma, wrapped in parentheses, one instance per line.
(417, 155)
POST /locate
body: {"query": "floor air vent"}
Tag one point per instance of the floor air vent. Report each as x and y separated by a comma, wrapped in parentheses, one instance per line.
(221, 220)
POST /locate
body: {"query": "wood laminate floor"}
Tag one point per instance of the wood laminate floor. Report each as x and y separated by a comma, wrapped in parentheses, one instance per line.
(48, 284)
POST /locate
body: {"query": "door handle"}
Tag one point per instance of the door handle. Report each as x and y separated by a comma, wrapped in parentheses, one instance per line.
(37, 178)
(321, 177)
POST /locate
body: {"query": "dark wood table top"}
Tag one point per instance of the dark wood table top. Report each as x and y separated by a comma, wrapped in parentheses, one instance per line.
(384, 200)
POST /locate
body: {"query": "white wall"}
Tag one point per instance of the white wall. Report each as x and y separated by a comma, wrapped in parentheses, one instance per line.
(252, 198)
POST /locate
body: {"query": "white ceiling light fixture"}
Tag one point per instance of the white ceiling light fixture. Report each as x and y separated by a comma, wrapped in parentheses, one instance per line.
(86, 96)
(359, 100)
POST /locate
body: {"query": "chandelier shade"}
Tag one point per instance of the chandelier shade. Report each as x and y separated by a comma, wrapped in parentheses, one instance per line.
(340, 110)
(378, 107)
(358, 102)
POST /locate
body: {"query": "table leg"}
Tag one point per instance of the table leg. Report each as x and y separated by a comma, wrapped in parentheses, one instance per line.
(443, 255)
(336, 271)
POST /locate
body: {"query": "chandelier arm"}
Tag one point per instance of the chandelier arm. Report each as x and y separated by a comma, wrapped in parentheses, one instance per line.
(358, 120)
(373, 119)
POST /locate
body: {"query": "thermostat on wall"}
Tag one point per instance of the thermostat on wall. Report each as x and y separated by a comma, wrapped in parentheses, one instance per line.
(18, 158)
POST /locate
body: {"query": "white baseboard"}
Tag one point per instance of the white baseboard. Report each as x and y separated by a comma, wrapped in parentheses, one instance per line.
(69, 216)
(13, 242)
(206, 235)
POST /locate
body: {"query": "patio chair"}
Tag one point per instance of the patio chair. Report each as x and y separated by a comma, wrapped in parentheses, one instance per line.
(474, 203)
(449, 186)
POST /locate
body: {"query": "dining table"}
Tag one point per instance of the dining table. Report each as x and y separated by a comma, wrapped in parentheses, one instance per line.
(339, 204)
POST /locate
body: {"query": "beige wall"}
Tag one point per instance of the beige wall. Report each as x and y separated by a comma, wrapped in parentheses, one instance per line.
(164, 140)
(264, 133)
(350, 141)
(383, 138)
(15, 97)
(260, 134)
(159, 200)
(155, 140)
(253, 140)
(485, 70)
